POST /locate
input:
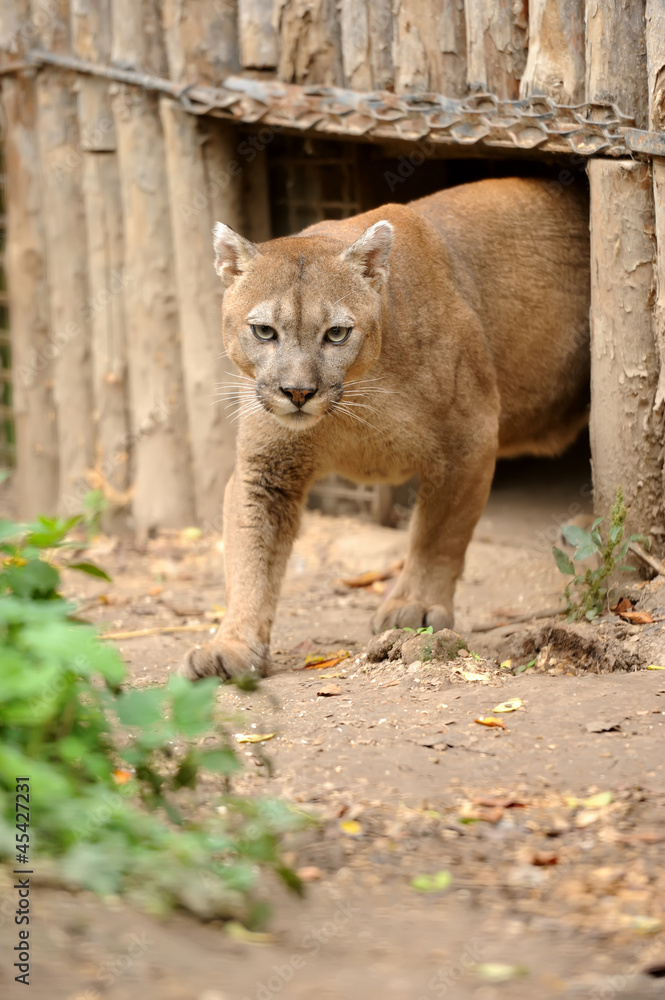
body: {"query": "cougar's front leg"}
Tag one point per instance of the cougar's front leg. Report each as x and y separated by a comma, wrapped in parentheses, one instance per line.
(451, 499)
(262, 507)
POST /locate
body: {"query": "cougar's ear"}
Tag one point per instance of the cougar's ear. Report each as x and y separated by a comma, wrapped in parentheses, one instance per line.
(371, 250)
(232, 252)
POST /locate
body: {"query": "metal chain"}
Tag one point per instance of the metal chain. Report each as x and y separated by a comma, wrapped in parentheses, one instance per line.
(534, 123)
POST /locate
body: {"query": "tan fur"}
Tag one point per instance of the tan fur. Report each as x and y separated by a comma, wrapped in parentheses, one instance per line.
(469, 341)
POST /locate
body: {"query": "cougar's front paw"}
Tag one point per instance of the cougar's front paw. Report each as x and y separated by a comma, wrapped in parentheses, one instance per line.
(397, 613)
(224, 658)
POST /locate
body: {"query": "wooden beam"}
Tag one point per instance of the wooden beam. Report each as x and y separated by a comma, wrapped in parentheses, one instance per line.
(655, 39)
(430, 47)
(496, 44)
(625, 438)
(201, 39)
(91, 39)
(66, 245)
(367, 42)
(310, 45)
(137, 40)
(259, 47)
(555, 62)
(29, 306)
(163, 495)
(197, 196)
(616, 55)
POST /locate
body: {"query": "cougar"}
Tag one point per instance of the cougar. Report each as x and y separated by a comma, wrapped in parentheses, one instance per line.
(424, 339)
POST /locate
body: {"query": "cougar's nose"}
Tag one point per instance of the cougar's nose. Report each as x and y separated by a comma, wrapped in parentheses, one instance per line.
(298, 395)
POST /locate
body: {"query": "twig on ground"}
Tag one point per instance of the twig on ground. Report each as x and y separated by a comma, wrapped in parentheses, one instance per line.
(547, 613)
(647, 558)
(139, 633)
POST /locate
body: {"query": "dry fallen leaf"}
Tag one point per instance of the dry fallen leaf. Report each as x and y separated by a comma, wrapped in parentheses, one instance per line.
(253, 737)
(470, 675)
(622, 606)
(511, 705)
(329, 691)
(636, 617)
(374, 576)
(323, 662)
(544, 858)
(488, 720)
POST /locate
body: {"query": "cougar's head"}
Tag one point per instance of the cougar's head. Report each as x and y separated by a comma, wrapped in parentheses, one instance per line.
(301, 316)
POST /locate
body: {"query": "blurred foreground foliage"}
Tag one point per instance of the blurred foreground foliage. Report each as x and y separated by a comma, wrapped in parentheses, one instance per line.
(108, 766)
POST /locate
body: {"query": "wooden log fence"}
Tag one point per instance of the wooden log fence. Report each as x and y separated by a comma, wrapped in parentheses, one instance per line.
(113, 185)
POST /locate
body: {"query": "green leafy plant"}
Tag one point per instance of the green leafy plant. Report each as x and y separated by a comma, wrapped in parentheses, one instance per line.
(585, 594)
(419, 631)
(111, 770)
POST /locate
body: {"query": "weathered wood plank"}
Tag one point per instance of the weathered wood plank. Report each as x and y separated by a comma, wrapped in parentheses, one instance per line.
(64, 227)
(616, 55)
(496, 43)
(137, 40)
(91, 39)
(259, 47)
(430, 47)
(367, 43)
(201, 39)
(159, 434)
(655, 42)
(556, 58)
(310, 49)
(199, 290)
(29, 306)
(625, 438)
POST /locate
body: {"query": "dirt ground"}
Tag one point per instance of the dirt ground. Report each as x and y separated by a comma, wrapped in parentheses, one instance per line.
(552, 829)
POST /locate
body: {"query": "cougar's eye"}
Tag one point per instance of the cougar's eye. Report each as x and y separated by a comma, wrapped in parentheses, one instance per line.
(263, 332)
(337, 334)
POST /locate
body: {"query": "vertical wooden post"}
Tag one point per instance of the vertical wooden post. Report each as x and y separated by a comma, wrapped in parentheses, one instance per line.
(655, 39)
(199, 290)
(137, 41)
(367, 42)
(159, 433)
(430, 47)
(29, 307)
(310, 48)
(204, 185)
(259, 47)
(625, 437)
(556, 60)
(64, 226)
(201, 40)
(91, 25)
(616, 55)
(625, 443)
(496, 43)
